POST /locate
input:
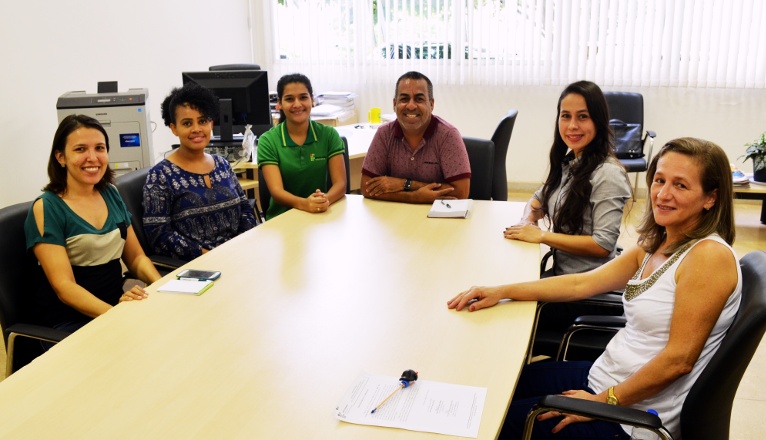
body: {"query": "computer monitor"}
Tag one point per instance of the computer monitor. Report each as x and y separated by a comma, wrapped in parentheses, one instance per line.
(244, 99)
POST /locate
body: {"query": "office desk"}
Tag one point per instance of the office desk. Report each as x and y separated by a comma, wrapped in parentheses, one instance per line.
(305, 303)
(359, 140)
(755, 192)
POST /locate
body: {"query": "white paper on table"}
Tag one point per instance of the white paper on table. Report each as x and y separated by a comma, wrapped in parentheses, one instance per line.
(423, 406)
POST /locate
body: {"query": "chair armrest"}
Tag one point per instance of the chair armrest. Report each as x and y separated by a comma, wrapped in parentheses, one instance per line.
(166, 262)
(37, 332)
(596, 410)
(601, 320)
(544, 261)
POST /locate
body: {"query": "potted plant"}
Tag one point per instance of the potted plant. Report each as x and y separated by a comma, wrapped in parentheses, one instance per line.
(757, 153)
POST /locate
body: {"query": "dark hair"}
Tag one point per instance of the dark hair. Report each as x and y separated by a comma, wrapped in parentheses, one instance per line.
(58, 174)
(568, 218)
(193, 95)
(416, 76)
(291, 78)
(715, 174)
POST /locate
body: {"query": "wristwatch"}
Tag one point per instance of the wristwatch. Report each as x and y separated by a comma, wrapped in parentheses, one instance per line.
(611, 398)
(408, 185)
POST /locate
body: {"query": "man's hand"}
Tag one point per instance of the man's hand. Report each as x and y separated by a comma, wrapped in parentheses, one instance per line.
(432, 191)
(384, 184)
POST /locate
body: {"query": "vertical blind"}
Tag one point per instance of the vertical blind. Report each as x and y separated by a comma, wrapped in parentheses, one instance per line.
(681, 43)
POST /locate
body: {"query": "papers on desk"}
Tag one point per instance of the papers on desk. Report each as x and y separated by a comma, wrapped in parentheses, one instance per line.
(444, 208)
(423, 406)
(194, 287)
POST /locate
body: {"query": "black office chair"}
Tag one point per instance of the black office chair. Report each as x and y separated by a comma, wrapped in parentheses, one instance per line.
(549, 341)
(481, 155)
(626, 111)
(706, 412)
(264, 195)
(19, 273)
(234, 67)
(131, 189)
(502, 137)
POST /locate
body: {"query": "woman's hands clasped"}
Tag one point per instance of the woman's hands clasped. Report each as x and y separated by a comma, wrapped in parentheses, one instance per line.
(317, 202)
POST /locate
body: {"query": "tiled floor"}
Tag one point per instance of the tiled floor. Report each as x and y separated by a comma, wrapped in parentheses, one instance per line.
(747, 421)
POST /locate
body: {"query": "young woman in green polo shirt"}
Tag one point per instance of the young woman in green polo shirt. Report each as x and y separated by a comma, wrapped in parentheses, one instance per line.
(297, 155)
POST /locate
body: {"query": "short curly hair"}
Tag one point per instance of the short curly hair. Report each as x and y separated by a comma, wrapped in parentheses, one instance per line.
(193, 95)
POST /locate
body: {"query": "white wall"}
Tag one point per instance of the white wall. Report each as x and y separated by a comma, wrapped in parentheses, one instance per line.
(50, 48)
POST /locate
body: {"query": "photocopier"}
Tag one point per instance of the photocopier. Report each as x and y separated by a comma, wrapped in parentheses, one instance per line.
(125, 117)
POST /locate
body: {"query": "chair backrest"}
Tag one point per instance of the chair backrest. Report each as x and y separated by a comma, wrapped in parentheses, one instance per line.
(626, 113)
(234, 67)
(131, 189)
(626, 106)
(264, 195)
(707, 410)
(502, 137)
(481, 155)
(18, 268)
(348, 170)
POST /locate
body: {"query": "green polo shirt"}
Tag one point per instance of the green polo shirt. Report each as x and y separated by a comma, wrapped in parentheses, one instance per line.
(303, 167)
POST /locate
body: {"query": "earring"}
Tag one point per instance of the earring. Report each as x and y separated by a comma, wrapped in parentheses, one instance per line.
(63, 165)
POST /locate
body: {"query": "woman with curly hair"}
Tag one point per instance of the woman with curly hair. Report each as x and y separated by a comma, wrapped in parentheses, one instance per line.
(192, 199)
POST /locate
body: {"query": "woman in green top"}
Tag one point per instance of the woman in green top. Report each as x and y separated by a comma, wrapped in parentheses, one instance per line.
(297, 155)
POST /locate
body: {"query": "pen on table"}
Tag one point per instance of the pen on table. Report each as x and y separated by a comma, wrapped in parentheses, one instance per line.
(408, 376)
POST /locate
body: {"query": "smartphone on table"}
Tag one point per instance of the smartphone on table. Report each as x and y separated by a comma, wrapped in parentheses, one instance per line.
(201, 275)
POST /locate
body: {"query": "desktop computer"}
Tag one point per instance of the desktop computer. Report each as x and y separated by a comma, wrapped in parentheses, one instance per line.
(125, 117)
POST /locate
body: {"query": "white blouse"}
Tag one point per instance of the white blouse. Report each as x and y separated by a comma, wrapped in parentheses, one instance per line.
(648, 305)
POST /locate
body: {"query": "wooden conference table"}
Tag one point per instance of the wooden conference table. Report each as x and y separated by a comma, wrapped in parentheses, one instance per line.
(305, 303)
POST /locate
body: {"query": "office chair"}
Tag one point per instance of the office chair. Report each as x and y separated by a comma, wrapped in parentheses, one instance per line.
(502, 137)
(264, 195)
(549, 341)
(131, 189)
(234, 67)
(481, 155)
(19, 273)
(626, 111)
(706, 412)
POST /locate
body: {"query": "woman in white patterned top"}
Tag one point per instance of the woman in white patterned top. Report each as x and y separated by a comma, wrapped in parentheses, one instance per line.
(682, 290)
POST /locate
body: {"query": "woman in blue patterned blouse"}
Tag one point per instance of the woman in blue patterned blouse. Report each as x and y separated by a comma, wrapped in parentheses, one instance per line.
(192, 199)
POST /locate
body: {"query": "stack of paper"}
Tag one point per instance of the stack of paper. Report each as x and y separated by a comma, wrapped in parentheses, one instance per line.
(335, 104)
(739, 179)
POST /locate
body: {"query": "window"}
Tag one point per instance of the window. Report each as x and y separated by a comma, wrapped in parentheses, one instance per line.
(686, 43)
